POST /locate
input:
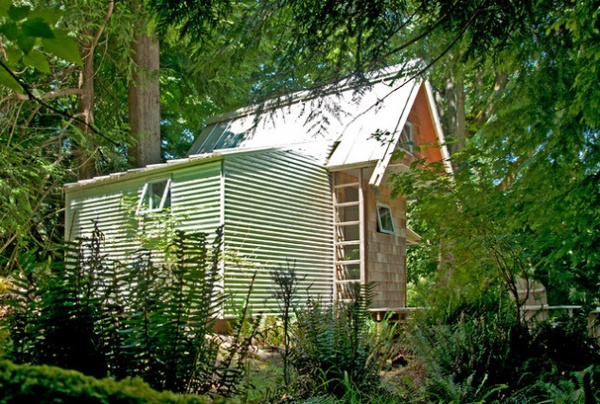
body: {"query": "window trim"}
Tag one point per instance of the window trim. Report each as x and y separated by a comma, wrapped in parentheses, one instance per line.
(409, 145)
(380, 228)
(142, 208)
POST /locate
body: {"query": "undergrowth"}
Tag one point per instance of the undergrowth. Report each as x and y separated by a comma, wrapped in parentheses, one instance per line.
(144, 319)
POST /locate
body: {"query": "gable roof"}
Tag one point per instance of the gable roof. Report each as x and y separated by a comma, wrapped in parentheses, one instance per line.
(348, 127)
(351, 126)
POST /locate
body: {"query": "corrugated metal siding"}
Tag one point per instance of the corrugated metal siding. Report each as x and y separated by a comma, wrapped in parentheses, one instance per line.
(276, 206)
(196, 200)
(107, 207)
(197, 197)
(278, 210)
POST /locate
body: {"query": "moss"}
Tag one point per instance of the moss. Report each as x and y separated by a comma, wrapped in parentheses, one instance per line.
(27, 383)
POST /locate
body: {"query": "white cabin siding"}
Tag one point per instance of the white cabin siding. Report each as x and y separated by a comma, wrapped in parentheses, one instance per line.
(106, 206)
(197, 197)
(277, 211)
(196, 200)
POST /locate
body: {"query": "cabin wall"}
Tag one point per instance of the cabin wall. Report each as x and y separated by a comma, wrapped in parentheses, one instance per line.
(107, 207)
(278, 212)
(425, 137)
(386, 253)
(196, 194)
(197, 197)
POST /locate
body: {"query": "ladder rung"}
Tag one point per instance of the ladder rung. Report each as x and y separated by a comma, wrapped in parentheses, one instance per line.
(346, 185)
(347, 242)
(352, 223)
(346, 204)
(347, 262)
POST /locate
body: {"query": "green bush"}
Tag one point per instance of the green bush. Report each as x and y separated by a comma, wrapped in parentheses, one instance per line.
(478, 350)
(47, 384)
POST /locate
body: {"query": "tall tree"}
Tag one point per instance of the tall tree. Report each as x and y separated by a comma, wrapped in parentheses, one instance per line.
(89, 38)
(525, 195)
(144, 94)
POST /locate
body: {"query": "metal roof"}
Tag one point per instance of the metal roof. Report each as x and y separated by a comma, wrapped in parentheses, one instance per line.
(350, 126)
(362, 123)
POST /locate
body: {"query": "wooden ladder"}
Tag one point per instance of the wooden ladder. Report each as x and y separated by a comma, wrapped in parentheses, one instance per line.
(349, 236)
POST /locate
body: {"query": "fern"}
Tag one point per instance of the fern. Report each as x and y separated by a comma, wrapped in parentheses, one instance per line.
(144, 319)
(337, 348)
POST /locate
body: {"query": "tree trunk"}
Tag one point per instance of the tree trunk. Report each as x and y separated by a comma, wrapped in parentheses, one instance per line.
(450, 112)
(85, 109)
(455, 112)
(86, 112)
(144, 100)
(461, 128)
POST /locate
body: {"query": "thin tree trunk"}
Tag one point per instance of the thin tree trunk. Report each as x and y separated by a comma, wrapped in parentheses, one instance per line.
(461, 128)
(86, 112)
(144, 100)
(450, 112)
(85, 108)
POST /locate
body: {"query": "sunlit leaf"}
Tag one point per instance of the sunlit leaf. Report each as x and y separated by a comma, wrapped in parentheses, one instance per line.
(50, 15)
(38, 60)
(9, 81)
(63, 46)
(4, 6)
(13, 56)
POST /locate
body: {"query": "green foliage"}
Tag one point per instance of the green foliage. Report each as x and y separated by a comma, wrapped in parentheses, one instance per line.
(27, 383)
(21, 29)
(286, 293)
(338, 349)
(465, 351)
(476, 350)
(140, 320)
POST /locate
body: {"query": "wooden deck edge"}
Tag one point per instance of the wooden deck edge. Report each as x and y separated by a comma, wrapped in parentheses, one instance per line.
(397, 313)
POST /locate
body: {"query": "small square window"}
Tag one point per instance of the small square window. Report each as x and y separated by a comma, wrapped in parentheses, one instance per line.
(407, 141)
(155, 196)
(385, 221)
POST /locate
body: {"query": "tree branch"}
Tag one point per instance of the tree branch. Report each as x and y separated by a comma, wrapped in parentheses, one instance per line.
(33, 97)
(50, 95)
(111, 6)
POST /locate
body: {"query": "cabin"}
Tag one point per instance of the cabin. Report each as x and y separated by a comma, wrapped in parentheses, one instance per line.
(301, 182)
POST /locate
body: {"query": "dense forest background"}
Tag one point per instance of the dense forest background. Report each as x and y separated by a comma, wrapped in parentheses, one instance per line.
(91, 87)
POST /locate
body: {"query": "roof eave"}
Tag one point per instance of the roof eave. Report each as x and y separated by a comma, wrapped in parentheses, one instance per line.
(438, 128)
(360, 164)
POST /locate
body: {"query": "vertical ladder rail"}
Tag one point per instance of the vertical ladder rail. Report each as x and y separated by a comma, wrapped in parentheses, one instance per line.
(336, 235)
(361, 228)
(342, 262)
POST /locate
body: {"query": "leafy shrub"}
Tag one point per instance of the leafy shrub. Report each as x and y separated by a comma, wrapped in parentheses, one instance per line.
(563, 341)
(44, 384)
(338, 349)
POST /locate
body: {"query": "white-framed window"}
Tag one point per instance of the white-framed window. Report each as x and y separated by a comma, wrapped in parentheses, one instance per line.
(407, 141)
(385, 220)
(156, 195)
